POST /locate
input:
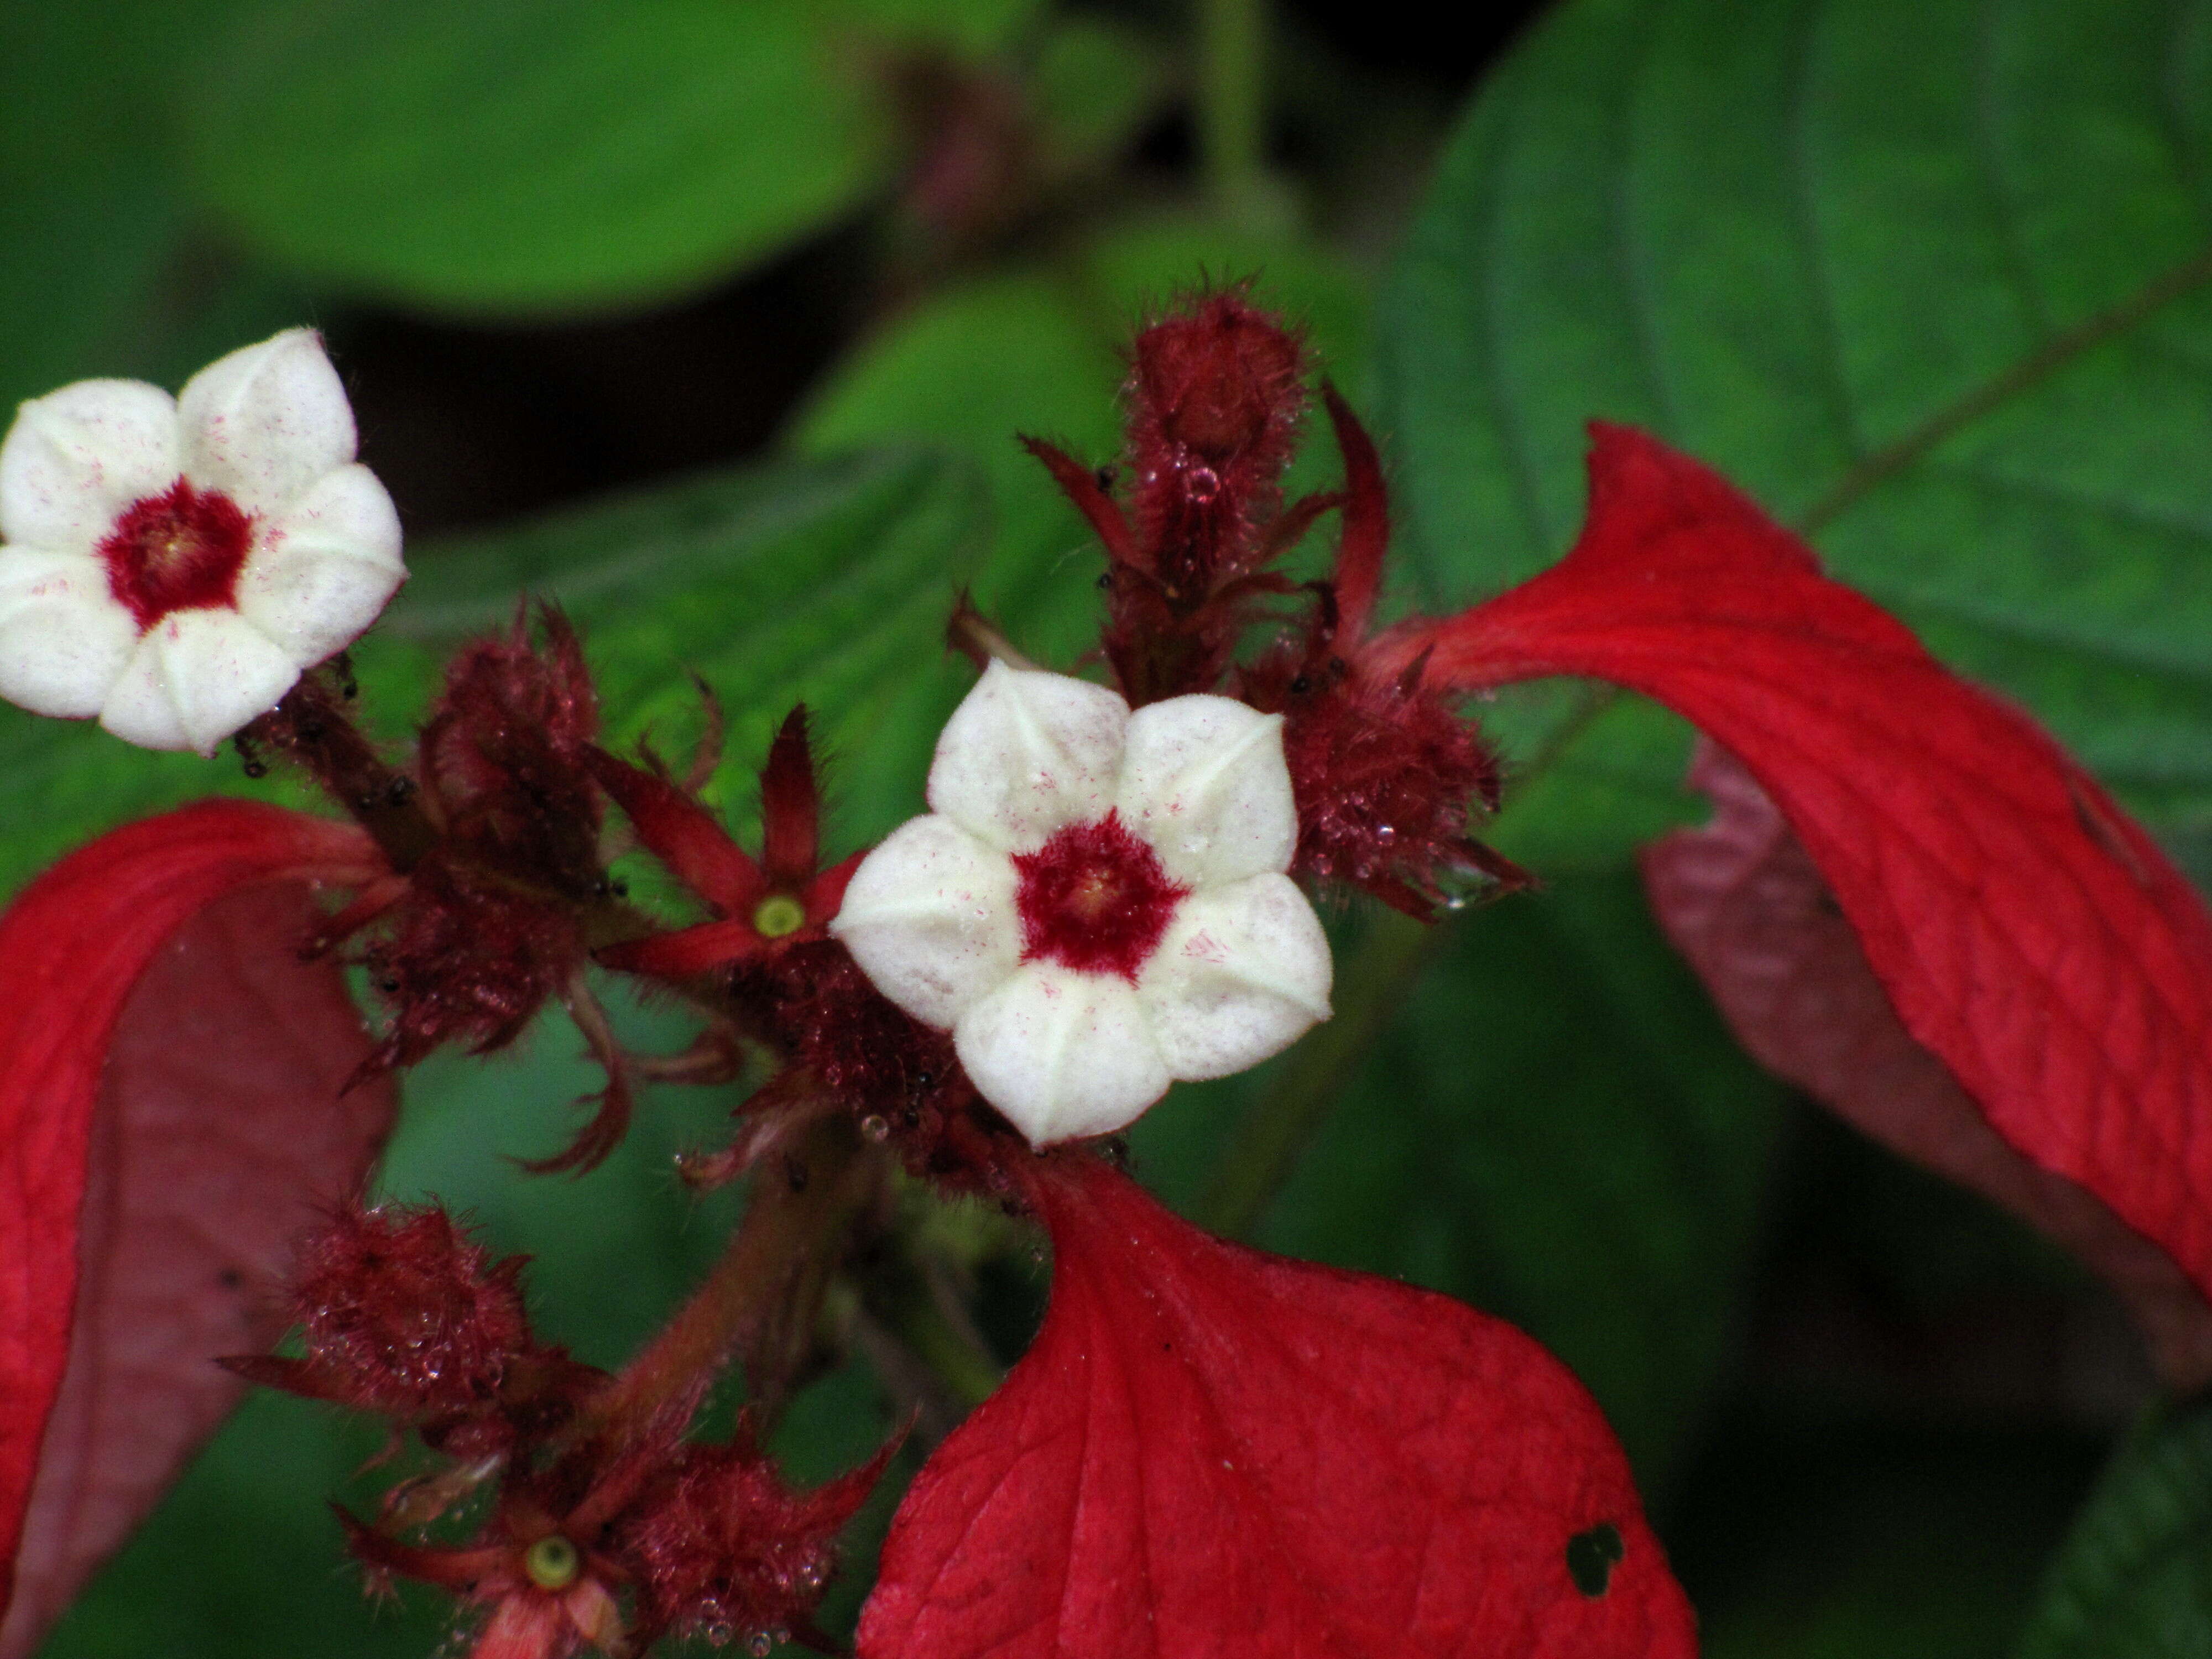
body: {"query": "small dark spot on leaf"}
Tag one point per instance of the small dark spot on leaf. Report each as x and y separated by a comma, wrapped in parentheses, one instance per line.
(1106, 581)
(1592, 1556)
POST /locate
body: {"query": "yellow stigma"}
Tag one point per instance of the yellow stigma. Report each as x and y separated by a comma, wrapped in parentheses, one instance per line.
(552, 1562)
(779, 914)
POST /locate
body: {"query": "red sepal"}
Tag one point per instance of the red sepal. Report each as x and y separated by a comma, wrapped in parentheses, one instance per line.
(1210, 1450)
(73, 946)
(791, 807)
(682, 834)
(2024, 928)
(1081, 487)
(1366, 535)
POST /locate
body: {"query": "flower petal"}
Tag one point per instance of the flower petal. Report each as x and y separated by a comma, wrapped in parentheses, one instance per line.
(321, 573)
(1212, 1451)
(76, 458)
(2026, 930)
(1063, 1055)
(1026, 753)
(1203, 779)
(264, 423)
(929, 915)
(1242, 973)
(63, 638)
(195, 677)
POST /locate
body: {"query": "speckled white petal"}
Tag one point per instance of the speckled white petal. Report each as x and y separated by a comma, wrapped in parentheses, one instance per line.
(1026, 753)
(266, 423)
(1203, 780)
(1242, 973)
(195, 677)
(319, 574)
(1063, 1055)
(63, 637)
(76, 458)
(929, 915)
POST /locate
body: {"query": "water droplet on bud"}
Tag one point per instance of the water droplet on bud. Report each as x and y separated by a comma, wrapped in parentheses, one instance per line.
(875, 1128)
(760, 1645)
(1385, 834)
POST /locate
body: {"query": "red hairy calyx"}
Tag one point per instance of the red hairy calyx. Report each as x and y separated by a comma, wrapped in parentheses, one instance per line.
(180, 550)
(1094, 898)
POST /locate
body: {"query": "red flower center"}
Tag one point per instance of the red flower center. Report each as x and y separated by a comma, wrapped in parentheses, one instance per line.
(178, 552)
(1094, 898)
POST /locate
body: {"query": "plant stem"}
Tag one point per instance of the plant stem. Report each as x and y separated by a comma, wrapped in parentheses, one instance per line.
(1232, 116)
(1269, 1138)
(780, 1253)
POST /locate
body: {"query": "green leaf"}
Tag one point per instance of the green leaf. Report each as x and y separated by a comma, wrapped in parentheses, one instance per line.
(552, 154)
(826, 581)
(2134, 1580)
(1554, 1127)
(1093, 84)
(95, 275)
(1039, 351)
(1928, 277)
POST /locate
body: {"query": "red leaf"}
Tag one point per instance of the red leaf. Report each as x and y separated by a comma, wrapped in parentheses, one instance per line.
(212, 1078)
(1744, 903)
(1213, 1451)
(2024, 929)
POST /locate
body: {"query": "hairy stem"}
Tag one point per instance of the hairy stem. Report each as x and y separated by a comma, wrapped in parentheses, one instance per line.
(784, 1249)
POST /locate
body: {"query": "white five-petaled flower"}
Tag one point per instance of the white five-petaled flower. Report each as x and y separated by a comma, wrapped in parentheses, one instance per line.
(1096, 904)
(172, 565)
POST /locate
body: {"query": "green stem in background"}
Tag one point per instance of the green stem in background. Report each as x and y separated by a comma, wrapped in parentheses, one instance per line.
(1268, 1139)
(1232, 112)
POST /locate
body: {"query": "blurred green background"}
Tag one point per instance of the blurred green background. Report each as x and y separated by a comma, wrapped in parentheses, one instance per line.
(715, 318)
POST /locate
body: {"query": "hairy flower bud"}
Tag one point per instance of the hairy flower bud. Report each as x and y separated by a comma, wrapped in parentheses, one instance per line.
(1216, 395)
(404, 1316)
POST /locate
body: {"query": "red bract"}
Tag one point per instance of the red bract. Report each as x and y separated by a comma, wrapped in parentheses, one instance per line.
(1740, 898)
(238, 1044)
(2026, 930)
(1211, 1450)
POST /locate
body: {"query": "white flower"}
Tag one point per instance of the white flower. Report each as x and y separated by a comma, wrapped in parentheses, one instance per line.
(172, 565)
(1096, 905)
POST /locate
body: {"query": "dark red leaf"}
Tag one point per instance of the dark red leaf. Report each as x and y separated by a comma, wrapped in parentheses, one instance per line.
(1212, 1451)
(2022, 927)
(1742, 901)
(168, 1109)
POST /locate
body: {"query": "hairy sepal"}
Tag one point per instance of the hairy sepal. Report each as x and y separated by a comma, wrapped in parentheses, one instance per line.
(1213, 1450)
(2027, 931)
(99, 1087)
